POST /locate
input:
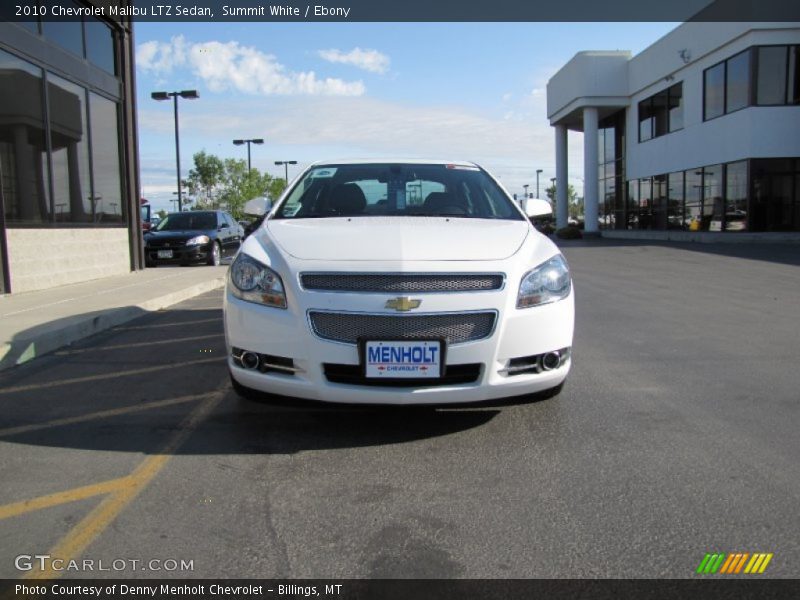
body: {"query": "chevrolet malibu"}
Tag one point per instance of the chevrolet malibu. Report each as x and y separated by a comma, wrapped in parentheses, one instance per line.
(398, 282)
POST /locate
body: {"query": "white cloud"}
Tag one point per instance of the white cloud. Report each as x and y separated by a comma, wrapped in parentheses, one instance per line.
(369, 60)
(228, 65)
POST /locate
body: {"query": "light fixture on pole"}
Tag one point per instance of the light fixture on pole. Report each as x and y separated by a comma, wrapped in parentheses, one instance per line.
(188, 95)
(537, 181)
(248, 142)
(525, 187)
(286, 164)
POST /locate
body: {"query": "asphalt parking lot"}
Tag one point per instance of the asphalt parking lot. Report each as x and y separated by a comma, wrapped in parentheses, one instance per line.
(676, 435)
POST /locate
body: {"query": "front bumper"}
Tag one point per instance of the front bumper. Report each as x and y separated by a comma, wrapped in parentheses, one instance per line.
(180, 254)
(286, 333)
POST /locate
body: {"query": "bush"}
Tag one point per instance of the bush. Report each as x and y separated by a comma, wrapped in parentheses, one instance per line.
(570, 232)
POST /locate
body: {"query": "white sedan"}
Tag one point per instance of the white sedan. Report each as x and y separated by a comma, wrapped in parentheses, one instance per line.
(398, 282)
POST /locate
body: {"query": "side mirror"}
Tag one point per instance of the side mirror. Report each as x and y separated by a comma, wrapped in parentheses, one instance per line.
(536, 207)
(258, 206)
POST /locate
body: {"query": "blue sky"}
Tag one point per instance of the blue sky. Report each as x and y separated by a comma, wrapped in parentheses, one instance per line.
(318, 91)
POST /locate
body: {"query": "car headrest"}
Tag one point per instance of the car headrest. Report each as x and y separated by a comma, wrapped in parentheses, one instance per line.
(347, 198)
(436, 200)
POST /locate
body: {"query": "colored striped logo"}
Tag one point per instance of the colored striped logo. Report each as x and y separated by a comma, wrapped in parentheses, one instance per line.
(734, 563)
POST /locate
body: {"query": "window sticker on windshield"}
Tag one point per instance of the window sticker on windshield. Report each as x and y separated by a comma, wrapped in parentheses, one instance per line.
(323, 173)
(463, 167)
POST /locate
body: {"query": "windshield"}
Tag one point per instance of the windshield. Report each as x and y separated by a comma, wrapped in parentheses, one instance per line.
(397, 190)
(188, 220)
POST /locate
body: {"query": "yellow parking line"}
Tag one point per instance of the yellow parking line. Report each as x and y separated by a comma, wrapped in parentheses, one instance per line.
(160, 325)
(85, 532)
(51, 384)
(73, 495)
(138, 344)
(101, 414)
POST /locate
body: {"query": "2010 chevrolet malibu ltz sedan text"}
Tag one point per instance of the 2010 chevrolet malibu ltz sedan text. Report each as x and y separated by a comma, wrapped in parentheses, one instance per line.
(398, 282)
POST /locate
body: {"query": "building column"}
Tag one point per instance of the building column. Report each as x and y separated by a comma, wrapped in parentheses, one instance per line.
(590, 161)
(562, 210)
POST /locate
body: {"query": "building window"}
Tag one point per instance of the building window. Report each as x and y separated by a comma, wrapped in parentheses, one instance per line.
(712, 199)
(736, 196)
(661, 113)
(794, 75)
(714, 91)
(646, 120)
(24, 172)
(737, 82)
(775, 198)
(108, 205)
(69, 144)
(83, 151)
(771, 80)
(675, 107)
(99, 44)
(67, 33)
(675, 218)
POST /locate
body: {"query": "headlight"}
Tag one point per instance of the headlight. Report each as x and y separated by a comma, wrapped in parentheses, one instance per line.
(197, 240)
(549, 282)
(254, 282)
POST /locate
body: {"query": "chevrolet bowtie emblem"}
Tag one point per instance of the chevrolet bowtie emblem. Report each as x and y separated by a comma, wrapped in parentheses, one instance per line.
(403, 303)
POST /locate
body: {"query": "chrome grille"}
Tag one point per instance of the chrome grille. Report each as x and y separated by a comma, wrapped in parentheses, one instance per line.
(455, 328)
(401, 282)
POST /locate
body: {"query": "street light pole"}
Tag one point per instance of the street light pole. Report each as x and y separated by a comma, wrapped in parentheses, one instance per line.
(248, 142)
(537, 181)
(189, 95)
(525, 187)
(286, 164)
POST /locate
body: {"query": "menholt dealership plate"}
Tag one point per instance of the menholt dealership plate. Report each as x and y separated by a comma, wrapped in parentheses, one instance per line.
(403, 359)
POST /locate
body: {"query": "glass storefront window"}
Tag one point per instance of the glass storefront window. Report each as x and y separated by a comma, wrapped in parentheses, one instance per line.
(107, 198)
(714, 91)
(645, 203)
(99, 44)
(72, 191)
(771, 80)
(712, 199)
(23, 151)
(659, 202)
(737, 82)
(736, 196)
(675, 218)
(693, 193)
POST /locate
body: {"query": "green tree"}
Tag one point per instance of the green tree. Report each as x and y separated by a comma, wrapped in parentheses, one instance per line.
(571, 194)
(228, 184)
(205, 178)
(162, 213)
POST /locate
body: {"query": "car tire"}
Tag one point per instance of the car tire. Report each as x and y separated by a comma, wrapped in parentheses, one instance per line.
(214, 256)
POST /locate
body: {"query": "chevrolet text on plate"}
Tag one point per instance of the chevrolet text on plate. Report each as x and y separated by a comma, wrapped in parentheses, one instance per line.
(398, 282)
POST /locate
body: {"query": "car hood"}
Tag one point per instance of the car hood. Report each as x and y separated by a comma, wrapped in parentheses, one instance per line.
(177, 234)
(398, 238)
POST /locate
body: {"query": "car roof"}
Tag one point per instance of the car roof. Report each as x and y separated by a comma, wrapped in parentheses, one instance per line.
(394, 161)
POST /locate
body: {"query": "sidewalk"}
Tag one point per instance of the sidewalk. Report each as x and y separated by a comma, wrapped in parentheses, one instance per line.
(35, 323)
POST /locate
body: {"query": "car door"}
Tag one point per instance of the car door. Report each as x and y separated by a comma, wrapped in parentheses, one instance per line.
(235, 234)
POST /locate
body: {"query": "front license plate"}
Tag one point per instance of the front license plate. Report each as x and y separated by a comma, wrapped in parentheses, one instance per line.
(165, 254)
(403, 359)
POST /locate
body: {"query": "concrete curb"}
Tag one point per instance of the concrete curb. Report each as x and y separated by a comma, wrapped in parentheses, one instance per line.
(49, 337)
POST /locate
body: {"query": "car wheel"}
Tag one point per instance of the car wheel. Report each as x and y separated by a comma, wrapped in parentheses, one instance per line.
(215, 256)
